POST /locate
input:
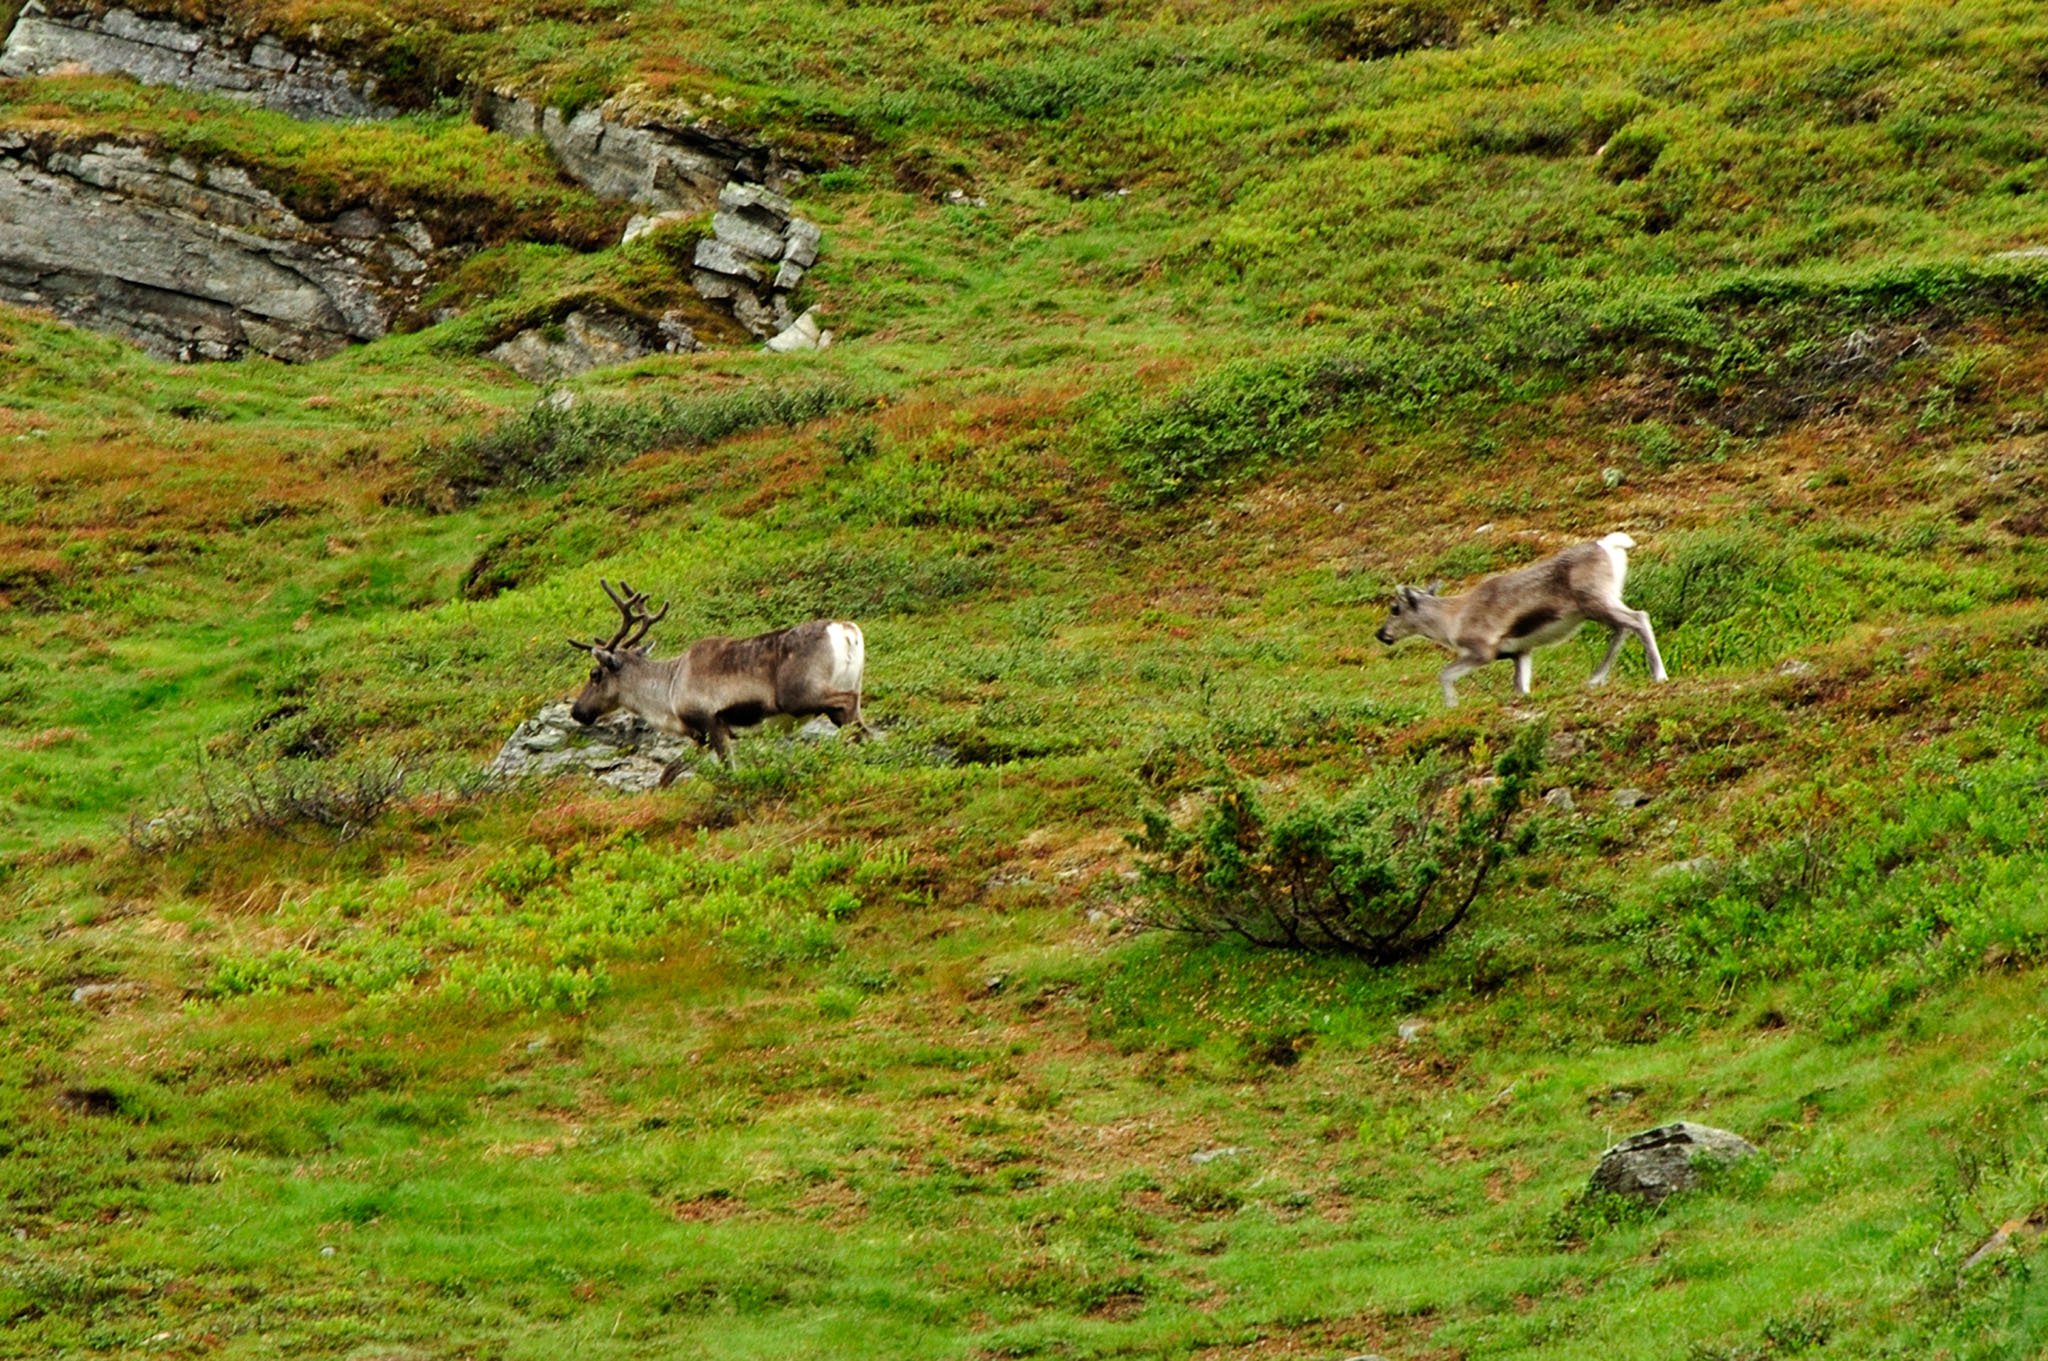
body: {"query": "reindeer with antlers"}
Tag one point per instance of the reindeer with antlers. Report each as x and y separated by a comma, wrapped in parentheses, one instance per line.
(719, 684)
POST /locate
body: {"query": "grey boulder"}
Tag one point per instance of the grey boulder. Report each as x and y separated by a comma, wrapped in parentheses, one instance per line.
(1668, 1159)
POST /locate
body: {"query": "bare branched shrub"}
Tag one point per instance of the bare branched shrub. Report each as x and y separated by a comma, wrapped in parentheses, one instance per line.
(288, 797)
(1384, 873)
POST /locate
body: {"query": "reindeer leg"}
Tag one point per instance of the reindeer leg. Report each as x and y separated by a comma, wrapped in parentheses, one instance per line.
(1599, 676)
(1649, 637)
(1522, 669)
(721, 742)
(844, 711)
(1464, 665)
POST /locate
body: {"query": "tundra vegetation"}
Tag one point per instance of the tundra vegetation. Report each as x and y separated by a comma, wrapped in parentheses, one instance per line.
(1245, 312)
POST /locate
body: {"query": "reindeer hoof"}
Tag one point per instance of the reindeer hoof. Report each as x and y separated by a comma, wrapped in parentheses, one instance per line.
(670, 773)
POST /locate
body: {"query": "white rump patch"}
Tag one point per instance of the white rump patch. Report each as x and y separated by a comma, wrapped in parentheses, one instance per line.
(1617, 545)
(849, 654)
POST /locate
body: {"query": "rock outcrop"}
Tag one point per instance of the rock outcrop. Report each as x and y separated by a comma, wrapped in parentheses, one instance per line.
(194, 262)
(61, 37)
(759, 249)
(588, 339)
(620, 750)
(757, 254)
(1662, 1161)
(653, 163)
(198, 262)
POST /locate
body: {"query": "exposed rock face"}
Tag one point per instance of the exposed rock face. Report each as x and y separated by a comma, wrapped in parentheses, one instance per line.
(1665, 1160)
(662, 166)
(200, 263)
(620, 750)
(194, 262)
(590, 339)
(758, 253)
(60, 37)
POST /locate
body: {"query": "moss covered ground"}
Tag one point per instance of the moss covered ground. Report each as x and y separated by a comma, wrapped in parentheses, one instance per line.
(851, 1052)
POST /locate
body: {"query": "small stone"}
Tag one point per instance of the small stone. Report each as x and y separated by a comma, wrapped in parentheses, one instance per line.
(1629, 798)
(1662, 1161)
(682, 339)
(1560, 798)
(1699, 864)
(1210, 1155)
(1611, 476)
(803, 334)
(100, 995)
(327, 1251)
(803, 242)
(1795, 667)
(641, 224)
(1411, 1030)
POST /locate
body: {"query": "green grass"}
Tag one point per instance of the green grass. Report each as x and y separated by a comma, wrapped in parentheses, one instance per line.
(852, 1052)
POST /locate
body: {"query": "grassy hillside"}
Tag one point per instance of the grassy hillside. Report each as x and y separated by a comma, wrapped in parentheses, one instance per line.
(854, 1051)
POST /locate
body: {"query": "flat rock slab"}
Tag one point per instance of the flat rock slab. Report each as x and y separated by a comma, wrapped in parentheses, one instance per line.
(1663, 1161)
(619, 750)
(194, 261)
(303, 84)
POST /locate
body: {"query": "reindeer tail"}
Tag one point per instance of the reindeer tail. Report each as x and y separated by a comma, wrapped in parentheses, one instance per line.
(1617, 540)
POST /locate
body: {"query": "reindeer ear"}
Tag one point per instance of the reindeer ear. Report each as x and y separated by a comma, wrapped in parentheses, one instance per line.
(606, 658)
(1433, 587)
(1404, 595)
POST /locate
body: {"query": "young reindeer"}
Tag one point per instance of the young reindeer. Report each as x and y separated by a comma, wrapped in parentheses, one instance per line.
(719, 684)
(1511, 615)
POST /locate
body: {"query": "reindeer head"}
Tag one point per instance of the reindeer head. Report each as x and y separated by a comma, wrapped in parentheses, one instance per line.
(1405, 621)
(609, 657)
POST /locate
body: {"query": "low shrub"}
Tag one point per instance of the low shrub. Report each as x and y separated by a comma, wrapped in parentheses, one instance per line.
(341, 797)
(553, 441)
(1385, 873)
(1376, 29)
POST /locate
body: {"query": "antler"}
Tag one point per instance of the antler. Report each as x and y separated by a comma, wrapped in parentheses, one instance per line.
(634, 625)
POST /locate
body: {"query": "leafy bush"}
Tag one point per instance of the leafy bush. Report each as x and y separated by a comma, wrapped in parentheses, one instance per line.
(1630, 154)
(1377, 28)
(1381, 873)
(1872, 910)
(1245, 413)
(553, 441)
(843, 583)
